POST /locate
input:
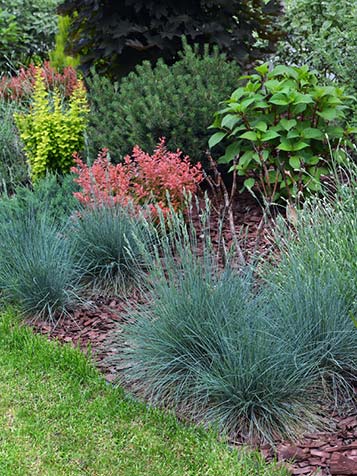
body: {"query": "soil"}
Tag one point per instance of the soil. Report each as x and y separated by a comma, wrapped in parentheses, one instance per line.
(321, 454)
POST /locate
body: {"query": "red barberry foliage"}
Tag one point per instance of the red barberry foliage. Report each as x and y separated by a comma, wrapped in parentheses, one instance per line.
(142, 179)
(21, 86)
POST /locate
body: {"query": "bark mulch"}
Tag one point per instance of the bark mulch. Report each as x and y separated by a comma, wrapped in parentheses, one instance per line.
(319, 454)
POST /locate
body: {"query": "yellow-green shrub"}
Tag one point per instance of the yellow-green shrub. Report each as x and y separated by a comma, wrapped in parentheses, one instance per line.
(52, 130)
(58, 58)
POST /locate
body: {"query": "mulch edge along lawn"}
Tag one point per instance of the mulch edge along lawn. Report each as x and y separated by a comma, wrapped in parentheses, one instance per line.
(59, 417)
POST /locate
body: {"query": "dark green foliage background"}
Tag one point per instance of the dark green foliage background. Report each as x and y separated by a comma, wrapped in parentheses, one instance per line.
(322, 35)
(13, 166)
(27, 31)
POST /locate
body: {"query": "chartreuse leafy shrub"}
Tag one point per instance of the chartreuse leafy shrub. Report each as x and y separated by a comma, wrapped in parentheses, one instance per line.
(38, 270)
(53, 130)
(13, 167)
(314, 288)
(58, 58)
(276, 127)
(106, 239)
(322, 35)
(176, 102)
(162, 179)
(201, 344)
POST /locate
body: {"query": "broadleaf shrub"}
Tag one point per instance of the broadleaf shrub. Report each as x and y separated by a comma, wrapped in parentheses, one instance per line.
(53, 130)
(141, 180)
(117, 36)
(176, 102)
(277, 126)
(20, 87)
(38, 270)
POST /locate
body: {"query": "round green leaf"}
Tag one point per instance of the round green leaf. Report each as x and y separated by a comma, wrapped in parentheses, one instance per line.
(230, 120)
(294, 162)
(269, 135)
(249, 183)
(250, 135)
(231, 152)
(288, 124)
(312, 133)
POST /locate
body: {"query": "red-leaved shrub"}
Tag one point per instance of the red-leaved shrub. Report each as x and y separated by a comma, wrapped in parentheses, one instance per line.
(142, 179)
(21, 86)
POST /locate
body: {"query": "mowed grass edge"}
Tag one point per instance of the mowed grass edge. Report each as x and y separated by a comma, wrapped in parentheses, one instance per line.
(58, 417)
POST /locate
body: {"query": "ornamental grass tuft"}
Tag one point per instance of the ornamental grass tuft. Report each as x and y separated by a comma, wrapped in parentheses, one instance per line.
(106, 239)
(263, 359)
(38, 270)
(313, 289)
(202, 344)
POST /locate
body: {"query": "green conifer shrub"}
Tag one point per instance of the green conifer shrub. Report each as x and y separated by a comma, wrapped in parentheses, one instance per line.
(176, 102)
(51, 193)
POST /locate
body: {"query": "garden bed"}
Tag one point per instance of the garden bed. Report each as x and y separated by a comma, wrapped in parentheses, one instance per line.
(91, 326)
(181, 208)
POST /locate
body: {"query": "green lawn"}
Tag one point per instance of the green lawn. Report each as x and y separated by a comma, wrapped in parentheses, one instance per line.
(58, 417)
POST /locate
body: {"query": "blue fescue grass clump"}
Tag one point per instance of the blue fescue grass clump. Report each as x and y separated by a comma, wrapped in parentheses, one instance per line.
(263, 358)
(314, 287)
(202, 344)
(106, 239)
(38, 270)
